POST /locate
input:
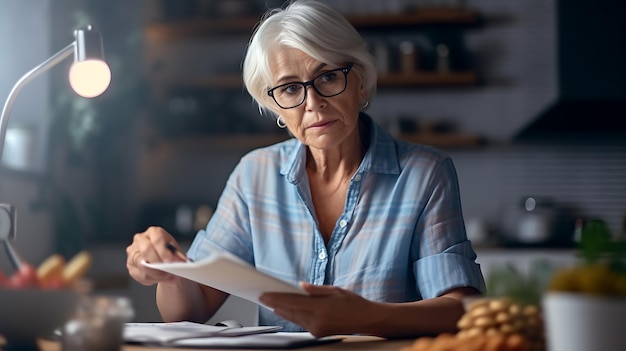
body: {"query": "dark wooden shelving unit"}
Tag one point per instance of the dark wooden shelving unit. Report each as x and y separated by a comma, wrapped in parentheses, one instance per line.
(444, 140)
(391, 80)
(245, 142)
(223, 81)
(207, 27)
(428, 79)
(195, 28)
(235, 141)
(418, 17)
(201, 27)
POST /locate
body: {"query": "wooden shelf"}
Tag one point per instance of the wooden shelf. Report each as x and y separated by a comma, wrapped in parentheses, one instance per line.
(199, 27)
(244, 26)
(226, 81)
(201, 143)
(418, 79)
(202, 27)
(419, 17)
(425, 79)
(451, 140)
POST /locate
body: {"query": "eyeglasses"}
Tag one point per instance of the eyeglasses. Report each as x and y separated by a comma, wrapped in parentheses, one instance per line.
(327, 84)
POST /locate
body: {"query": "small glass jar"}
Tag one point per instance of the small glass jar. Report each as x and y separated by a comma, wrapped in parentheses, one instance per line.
(408, 57)
(97, 324)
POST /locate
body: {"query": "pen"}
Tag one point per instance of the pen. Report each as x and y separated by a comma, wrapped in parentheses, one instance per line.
(177, 252)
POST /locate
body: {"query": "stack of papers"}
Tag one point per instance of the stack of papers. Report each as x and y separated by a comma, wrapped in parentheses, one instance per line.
(232, 275)
(188, 334)
(167, 333)
(280, 340)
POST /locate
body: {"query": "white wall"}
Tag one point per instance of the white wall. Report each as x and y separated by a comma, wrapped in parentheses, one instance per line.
(25, 43)
(515, 52)
(24, 39)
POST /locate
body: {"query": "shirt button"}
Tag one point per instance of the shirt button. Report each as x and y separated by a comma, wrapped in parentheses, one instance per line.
(343, 223)
(322, 255)
(357, 178)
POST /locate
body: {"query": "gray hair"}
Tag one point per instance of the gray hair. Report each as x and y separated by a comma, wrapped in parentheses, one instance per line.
(313, 28)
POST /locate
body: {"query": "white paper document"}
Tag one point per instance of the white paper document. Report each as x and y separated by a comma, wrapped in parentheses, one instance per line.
(279, 340)
(170, 333)
(230, 274)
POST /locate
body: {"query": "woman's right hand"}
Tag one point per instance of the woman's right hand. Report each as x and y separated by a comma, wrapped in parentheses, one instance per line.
(151, 246)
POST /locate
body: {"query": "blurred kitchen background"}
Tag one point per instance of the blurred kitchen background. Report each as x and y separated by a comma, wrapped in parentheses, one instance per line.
(528, 97)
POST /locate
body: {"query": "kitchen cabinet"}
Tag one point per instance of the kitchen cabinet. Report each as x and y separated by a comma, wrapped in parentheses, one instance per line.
(202, 30)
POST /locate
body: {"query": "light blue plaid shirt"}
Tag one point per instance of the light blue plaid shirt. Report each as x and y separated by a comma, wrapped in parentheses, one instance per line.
(400, 238)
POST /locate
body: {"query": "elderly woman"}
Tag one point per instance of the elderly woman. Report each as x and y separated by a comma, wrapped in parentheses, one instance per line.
(371, 227)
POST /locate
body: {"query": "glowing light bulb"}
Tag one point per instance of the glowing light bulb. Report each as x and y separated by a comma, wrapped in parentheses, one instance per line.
(90, 78)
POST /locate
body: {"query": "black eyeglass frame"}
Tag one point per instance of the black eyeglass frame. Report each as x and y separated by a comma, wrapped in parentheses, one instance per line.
(344, 70)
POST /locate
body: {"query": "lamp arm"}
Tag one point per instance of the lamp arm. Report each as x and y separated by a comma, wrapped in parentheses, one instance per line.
(30, 75)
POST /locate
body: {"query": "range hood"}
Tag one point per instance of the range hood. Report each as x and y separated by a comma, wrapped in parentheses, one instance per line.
(591, 101)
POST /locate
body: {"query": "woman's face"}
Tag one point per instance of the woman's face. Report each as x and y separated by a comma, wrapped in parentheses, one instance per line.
(319, 122)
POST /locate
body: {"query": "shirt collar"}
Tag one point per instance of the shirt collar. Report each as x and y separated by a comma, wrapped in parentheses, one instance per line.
(381, 155)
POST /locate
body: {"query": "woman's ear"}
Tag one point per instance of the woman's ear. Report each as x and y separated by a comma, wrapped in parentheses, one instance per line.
(363, 96)
(268, 107)
(363, 93)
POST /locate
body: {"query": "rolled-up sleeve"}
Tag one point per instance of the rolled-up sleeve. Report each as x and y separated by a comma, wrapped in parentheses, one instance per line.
(446, 259)
(453, 268)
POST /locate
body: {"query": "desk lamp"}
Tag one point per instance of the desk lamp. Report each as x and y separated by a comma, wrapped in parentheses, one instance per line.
(89, 76)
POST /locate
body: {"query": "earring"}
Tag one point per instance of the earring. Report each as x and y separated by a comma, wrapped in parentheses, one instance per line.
(365, 104)
(280, 123)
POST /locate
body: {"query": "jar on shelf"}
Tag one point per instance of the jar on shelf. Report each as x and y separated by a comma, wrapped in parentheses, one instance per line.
(408, 56)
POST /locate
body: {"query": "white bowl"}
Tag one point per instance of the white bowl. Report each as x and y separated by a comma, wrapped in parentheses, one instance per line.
(581, 322)
(26, 314)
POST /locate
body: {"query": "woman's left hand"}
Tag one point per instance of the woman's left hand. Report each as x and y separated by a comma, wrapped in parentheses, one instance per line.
(326, 311)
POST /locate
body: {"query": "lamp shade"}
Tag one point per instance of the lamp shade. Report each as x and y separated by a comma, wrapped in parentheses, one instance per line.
(89, 75)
